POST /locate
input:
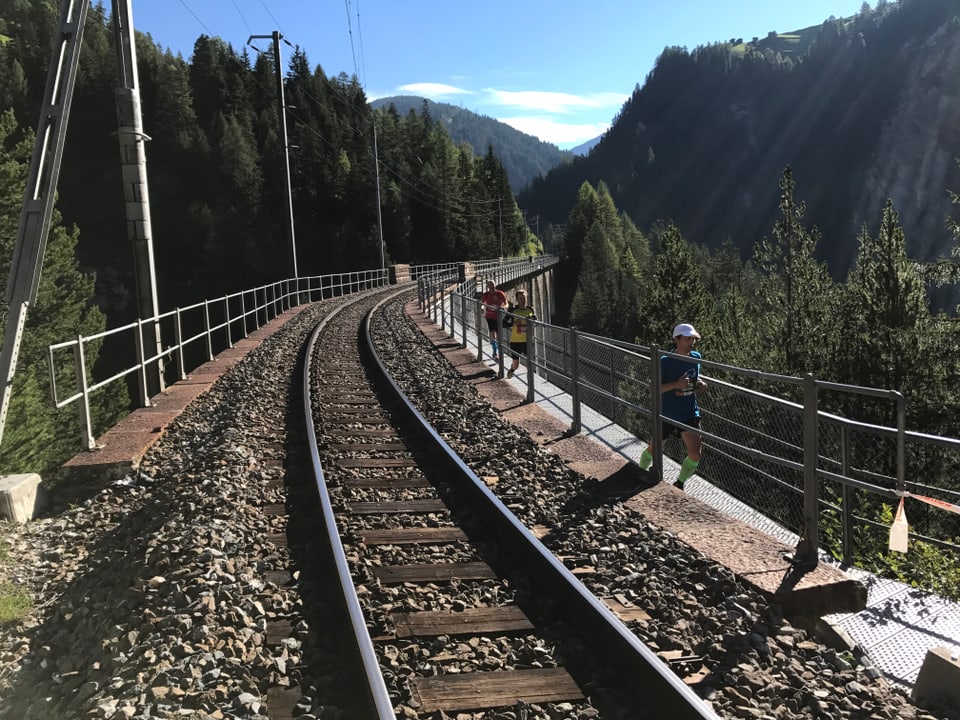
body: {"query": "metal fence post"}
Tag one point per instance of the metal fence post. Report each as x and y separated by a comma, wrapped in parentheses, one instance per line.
(576, 426)
(81, 370)
(178, 338)
(501, 353)
(226, 319)
(206, 328)
(443, 308)
(806, 556)
(656, 407)
(243, 312)
(846, 511)
(479, 322)
(142, 362)
(452, 296)
(463, 320)
(531, 358)
(901, 444)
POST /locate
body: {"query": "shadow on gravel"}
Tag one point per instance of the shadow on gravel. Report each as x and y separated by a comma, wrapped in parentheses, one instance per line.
(489, 373)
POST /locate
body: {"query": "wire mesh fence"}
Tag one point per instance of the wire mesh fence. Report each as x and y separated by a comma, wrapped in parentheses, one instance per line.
(819, 459)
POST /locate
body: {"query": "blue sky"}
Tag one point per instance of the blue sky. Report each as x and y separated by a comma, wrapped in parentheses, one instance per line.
(556, 73)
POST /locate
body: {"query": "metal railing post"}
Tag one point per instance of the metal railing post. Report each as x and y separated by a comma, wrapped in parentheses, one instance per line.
(901, 445)
(142, 362)
(243, 312)
(206, 329)
(531, 333)
(806, 556)
(80, 366)
(226, 319)
(846, 511)
(479, 321)
(656, 407)
(443, 308)
(575, 426)
(178, 339)
(451, 295)
(463, 321)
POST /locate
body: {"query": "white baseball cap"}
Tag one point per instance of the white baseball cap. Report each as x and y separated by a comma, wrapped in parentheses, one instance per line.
(685, 330)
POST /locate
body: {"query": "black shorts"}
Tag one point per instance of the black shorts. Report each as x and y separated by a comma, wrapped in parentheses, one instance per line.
(668, 429)
(520, 348)
(492, 326)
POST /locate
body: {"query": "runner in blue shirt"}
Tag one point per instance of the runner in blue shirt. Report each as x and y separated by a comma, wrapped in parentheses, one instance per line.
(679, 384)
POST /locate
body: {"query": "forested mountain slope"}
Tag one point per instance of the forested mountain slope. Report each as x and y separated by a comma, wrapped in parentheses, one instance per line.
(863, 109)
(523, 156)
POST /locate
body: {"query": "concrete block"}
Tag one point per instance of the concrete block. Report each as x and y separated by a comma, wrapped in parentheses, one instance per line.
(21, 497)
(832, 635)
(938, 684)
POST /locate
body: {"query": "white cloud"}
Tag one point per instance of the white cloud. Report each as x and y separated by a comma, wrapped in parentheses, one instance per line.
(433, 90)
(554, 102)
(560, 134)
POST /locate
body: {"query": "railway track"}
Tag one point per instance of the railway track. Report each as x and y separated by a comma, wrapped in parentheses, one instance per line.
(454, 606)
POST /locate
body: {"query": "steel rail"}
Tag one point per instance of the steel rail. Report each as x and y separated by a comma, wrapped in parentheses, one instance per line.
(380, 706)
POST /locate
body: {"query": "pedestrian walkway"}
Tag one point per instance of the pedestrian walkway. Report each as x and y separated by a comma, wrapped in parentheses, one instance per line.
(899, 624)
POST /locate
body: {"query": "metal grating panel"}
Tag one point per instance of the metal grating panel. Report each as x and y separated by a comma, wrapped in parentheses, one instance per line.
(900, 657)
(872, 626)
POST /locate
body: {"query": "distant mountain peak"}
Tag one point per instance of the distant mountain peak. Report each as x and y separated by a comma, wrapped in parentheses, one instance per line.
(524, 157)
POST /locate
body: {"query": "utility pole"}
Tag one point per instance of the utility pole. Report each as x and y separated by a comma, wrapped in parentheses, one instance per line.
(133, 159)
(282, 111)
(376, 165)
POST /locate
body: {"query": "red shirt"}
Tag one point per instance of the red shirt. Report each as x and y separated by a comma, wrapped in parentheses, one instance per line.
(493, 299)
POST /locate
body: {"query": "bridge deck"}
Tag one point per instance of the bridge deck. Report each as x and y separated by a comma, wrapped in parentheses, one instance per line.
(898, 625)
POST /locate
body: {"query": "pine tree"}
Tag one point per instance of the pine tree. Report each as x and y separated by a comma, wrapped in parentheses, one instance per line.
(678, 294)
(595, 306)
(889, 340)
(598, 303)
(795, 293)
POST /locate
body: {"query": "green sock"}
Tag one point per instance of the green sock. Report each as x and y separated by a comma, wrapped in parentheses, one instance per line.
(645, 459)
(686, 469)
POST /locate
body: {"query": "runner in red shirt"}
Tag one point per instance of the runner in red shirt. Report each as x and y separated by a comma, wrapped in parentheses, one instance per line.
(492, 300)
